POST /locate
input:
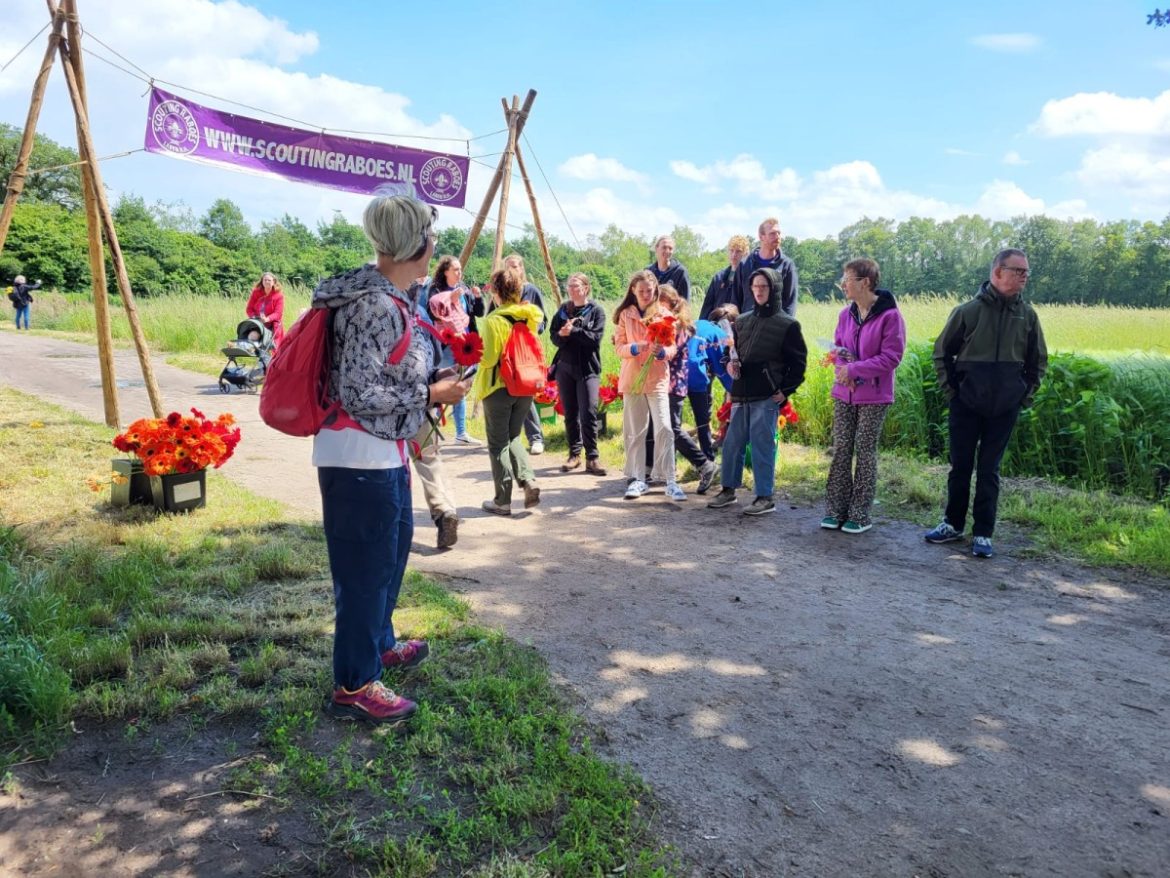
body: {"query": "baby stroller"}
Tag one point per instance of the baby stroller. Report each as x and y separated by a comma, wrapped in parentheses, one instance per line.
(253, 341)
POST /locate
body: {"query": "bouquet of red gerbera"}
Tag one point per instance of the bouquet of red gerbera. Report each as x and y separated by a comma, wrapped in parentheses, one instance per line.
(608, 393)
(180, 443)
(787, 415)
(661, 331)
(467, 351)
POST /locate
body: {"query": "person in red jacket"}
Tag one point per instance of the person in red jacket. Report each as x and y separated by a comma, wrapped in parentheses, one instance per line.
(267, 305)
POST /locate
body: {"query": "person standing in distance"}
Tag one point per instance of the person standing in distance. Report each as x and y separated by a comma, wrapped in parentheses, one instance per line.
(767, 255)
(990, 358)
(667, 269)
(722, 287)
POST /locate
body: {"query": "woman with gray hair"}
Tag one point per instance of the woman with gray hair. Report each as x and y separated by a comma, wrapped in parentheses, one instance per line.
(21, 298)
(381, 374)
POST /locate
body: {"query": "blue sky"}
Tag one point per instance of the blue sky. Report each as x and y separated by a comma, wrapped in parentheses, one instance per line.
(653, 114)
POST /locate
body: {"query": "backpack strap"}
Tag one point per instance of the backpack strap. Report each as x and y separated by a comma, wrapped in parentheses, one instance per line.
(403, 344)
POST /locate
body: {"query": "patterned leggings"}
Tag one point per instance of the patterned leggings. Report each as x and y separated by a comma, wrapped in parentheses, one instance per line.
(856, 428)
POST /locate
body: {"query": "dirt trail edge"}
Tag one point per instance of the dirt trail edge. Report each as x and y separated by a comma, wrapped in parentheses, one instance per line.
(804, 702)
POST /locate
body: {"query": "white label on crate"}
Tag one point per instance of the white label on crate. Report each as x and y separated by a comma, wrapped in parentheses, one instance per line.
(187, 491)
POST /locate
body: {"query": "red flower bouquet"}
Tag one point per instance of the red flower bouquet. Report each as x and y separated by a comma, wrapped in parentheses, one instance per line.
(180, 443)
(608, 393)
(661, 331)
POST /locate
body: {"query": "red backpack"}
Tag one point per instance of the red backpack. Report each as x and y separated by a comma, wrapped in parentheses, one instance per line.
(295, 396)
(522, 365)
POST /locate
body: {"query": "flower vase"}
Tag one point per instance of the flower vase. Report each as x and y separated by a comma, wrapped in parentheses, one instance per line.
(179, 492)
(133, 484)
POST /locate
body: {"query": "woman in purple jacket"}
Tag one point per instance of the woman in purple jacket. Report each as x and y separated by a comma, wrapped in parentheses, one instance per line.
(869, 343)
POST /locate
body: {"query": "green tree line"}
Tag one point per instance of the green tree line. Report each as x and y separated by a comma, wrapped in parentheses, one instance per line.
(167, 247)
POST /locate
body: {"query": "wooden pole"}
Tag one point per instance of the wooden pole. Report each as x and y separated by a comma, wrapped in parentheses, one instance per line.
(97, 262)
(548, 265)
(89, 155)
(506, 179)
(20, 170)
(481, 217)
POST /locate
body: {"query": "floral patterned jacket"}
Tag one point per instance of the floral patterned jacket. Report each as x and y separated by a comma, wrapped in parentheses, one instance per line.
(386, 400)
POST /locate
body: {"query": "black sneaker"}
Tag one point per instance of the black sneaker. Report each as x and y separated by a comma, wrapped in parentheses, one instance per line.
(760, 506)
(726, 497)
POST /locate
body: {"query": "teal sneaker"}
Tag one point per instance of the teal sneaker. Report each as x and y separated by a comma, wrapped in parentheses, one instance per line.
(831, 522)
(852, 527)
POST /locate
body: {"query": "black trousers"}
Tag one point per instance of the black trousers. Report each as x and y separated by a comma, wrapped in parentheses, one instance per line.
(977, 445)
(701, 408)
(683, 443)
(579, 399)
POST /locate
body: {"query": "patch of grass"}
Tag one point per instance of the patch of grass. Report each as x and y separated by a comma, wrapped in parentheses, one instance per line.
(134, 617)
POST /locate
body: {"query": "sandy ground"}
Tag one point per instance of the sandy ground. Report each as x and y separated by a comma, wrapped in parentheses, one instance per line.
(802, 702)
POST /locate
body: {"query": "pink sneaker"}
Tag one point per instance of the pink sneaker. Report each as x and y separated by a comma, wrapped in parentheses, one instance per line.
(405, 654)
(373, 703)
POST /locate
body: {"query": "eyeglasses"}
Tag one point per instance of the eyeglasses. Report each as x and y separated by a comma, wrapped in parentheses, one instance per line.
(844, 280)
(1019, 272)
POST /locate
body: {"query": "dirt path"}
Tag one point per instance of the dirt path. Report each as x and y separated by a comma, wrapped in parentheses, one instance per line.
(805, 703)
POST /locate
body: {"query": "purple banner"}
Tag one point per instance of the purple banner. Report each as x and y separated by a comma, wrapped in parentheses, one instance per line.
(183, 129)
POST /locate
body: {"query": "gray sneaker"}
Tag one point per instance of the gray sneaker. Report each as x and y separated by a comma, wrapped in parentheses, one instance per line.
(706, 477)
(761, 506)
(726, 497)
(944, 533)
(635, 489)
(674, 492)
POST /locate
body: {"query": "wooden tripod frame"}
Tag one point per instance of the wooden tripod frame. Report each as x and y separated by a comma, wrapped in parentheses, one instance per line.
(99, 219)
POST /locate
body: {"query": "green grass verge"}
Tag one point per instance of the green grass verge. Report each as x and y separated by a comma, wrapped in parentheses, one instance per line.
(133, 617)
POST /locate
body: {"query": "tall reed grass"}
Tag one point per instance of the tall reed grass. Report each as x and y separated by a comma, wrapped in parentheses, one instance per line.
(1101, 422)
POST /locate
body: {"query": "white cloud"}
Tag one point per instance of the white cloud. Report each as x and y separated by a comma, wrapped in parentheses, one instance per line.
(1015, 43)
(590, 212)
(1011, 157)
(1104, 114)
(746, 173)
(591, 167)
(1142, 175)
(1003, 200)
(954, 150)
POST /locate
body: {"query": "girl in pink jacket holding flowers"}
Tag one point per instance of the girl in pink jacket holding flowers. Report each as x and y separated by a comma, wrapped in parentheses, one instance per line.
(644, 381)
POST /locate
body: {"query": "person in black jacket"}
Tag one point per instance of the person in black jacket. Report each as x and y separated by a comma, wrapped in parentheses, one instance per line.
(767, 255)
(768, 368)
(669, 270)
(721, 290)
(576, 331)
(21, 298)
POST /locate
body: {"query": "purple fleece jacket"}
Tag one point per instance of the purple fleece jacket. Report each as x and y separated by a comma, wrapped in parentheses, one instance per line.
(877, 345)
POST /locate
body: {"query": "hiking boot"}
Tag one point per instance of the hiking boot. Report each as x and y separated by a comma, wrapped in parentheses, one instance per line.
(981, 547)
(760, 506)
(944, 533)
(635, 489)
(706, 477)
(593, 467)
(726, 497)
(448, 525)
(406, 654)
(831, 522)
(531, 495)
(852, 527)
(373, 703)
(467, 439)
(574, 462)
(537, 447)
(674, 492)
(495, 509)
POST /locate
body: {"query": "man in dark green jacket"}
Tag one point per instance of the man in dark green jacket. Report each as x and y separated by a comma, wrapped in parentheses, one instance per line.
(990, 359)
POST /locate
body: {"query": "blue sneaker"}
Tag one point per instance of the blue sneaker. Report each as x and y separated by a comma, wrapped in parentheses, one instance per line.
(981, 547)
(944, 533)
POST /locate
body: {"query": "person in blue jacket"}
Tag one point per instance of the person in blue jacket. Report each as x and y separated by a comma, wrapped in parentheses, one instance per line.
(669, 270)
(21, 298)
(767, 255)
(722, 288)
(705, 352)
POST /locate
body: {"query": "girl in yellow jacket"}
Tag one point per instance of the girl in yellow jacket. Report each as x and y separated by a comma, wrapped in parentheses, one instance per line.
(649, 405)
(504, 414)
